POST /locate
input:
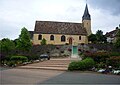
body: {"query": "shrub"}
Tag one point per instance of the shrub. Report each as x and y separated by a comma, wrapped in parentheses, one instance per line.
(101, 65)
(114, 61)
(19, 59)
(98, 56)
(114, 54)
(43, 42)
(11, 63)
(33, 57)
(85, 64)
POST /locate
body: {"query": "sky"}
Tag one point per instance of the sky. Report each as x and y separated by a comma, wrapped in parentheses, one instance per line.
(16, 14)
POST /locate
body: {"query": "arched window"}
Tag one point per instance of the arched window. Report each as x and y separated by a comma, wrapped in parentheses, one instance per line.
(39, 37)
(79, 37)
(52, 37)
(63, 38)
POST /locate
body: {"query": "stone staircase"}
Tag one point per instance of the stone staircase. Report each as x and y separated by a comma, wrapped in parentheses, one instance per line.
(53, 64)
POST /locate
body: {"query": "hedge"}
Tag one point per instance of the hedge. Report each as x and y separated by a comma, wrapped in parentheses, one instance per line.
(98, 56)
(85, 64)
(114, 61)
(20, 59)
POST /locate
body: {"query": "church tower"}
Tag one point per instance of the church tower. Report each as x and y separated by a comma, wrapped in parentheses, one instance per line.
(86, 20)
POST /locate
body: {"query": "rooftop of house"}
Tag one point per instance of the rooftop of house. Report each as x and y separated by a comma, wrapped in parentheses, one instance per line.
(111, 34)
(51, 27)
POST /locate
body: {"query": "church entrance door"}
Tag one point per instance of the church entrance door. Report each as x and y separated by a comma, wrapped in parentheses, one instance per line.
(70, 40)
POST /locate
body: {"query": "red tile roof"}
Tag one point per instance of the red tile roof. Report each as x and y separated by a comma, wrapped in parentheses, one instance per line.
(50, 27)
(111, 34)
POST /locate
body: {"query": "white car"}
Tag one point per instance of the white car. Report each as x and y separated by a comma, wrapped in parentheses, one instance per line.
(101, 70)
(116, 71)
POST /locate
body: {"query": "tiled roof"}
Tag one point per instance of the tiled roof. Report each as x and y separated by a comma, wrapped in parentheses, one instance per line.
(50, 27)
(111, 34)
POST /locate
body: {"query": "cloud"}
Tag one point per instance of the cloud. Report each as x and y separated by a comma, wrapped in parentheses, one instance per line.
(113, 6)
(15, 14)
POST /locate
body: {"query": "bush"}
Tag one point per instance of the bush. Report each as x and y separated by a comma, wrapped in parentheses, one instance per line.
(101, 65)
(98, 56)
(11, 63)
(33, 57)
(85, 64)
(114, 54)
(114, 61)
(19, 59)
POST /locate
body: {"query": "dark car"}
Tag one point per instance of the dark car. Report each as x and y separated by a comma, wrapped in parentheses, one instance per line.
(45, 56)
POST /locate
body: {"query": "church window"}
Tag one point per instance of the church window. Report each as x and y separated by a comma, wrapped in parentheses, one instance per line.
(63, 38)
(52, 37)
(39, 37)
(79, 37)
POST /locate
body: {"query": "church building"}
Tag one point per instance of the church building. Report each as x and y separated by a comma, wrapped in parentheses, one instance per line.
(60, 33)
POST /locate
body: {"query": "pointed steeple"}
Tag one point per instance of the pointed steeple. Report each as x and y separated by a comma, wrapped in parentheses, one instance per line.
(86, 15)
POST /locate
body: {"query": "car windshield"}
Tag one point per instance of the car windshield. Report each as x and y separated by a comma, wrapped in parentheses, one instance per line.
(44, 55)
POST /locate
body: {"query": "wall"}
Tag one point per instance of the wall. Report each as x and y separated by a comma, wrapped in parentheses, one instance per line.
(57, 39)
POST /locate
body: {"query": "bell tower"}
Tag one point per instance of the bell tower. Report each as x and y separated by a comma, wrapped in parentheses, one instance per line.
(86, 20)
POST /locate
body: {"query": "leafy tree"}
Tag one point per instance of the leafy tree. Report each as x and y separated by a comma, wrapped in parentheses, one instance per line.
(43, 42)
(117, 43)
(92, 38)
(6, 46)
(100, 37)
(24, 43)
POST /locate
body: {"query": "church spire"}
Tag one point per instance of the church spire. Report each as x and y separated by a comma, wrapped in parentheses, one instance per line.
(86, 15)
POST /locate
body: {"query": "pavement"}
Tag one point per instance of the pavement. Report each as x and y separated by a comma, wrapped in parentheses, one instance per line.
(25, 76)
(49, 73)
(83, 78)
(52, 77)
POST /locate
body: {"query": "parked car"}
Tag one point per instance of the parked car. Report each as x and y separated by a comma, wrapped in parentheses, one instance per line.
(44, 56)
(116, 71)
(104, 71)
(101, 71)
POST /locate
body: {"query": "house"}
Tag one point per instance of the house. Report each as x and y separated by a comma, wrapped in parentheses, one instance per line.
(60, 33)
(111, 36)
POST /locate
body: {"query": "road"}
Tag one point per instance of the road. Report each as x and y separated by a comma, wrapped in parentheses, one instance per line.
(84, 78)
(26, 76)
(52, 77)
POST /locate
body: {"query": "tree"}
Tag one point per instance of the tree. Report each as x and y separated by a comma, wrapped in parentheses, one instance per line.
(6, 46)
(92, 38)
(100, 37)
(24, 43)
(117, 43)
(43, 42)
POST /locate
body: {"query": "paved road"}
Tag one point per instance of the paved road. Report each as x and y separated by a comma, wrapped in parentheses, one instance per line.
(25, 76)
(52, 77)
(84, 78)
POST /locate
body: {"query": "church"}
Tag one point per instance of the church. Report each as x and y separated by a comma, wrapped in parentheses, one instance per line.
(60, 33)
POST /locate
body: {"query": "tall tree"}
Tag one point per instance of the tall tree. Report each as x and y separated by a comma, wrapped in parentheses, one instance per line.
(117, 43)
(24, 43)
(100, 37)
(6, 46)
(92, 38)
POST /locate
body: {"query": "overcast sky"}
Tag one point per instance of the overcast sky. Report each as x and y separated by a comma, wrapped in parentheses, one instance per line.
(15, 14)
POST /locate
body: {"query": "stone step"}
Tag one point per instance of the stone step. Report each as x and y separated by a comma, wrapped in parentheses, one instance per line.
(46, 68)
(52, 65)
